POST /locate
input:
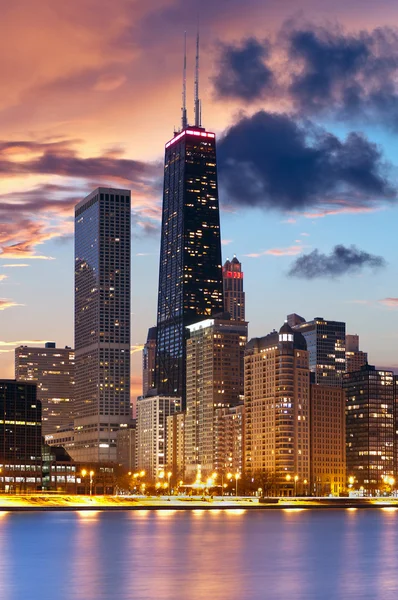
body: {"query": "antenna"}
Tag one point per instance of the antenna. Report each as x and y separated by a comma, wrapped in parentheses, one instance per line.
(198, 109)
(184, 86)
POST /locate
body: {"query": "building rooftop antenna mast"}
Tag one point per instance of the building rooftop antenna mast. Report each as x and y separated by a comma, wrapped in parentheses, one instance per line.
(198, 106)
(184, 87)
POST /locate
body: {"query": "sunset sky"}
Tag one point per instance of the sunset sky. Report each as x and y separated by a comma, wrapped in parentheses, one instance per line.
(303, 97)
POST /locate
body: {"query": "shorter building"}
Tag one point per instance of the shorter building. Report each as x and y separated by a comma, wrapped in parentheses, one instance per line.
(354, 357)
(149, 361)
(53, 370)
(328, 451)
(229, 439)
(20, 437)
(234, 296)
(64, 437)
(152, 413)
(175, 455)
(126, 446)
(370, 427)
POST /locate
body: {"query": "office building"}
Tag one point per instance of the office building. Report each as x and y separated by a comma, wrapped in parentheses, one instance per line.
(370, 427)
(190, 273)
(148, 362)
(20, 437)
(126, 445)
(354, 357)
(328, 441)
(102, 323)
(53, 370)
(175, 455)
(234, 296)
(277, 410)
(215, 379)
(326, 348)
(229, 440)
(152, 413)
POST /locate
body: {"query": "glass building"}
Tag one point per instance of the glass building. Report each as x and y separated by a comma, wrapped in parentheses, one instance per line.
(190, 274)
(102, 323)
(370, 426)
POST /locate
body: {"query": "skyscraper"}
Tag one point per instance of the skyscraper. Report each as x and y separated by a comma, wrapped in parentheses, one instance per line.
(53, 369)
(102, 322)
(148, 362)
(234, 296)
(190, 275)
(326, 347)
(354, 357)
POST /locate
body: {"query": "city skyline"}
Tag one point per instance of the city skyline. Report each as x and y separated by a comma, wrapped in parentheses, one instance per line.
(55, 157)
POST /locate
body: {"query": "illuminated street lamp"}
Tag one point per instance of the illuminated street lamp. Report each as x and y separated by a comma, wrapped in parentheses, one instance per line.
(91, 482)
(296, 478)
(237, 476)
(169, 474)
(83, 474)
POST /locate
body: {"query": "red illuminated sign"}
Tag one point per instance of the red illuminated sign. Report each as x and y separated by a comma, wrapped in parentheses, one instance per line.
(204, 134)
(233, 274)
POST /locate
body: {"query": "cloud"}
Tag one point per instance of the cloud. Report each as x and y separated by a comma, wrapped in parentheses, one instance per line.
(7, 303)
(242, 71)
(226, 242)
(3, 277)
(390, 302)
(136, 348)
(274, 161)
(18, 266)
(341, 261)
(290, 251)
(14, 344)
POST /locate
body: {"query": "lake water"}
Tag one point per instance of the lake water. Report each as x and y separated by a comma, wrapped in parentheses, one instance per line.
(198, 555)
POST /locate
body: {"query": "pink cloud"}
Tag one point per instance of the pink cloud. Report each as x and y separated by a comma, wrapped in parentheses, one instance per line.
(390, 302)
(290, 251)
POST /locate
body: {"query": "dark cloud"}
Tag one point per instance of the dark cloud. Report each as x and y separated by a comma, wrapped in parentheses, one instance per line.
(273, 161)
(242, 71)
(341, 261)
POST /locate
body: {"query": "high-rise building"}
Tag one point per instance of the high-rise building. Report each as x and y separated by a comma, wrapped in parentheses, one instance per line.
(371, 410)
(328, 444)
(190, 275)
(53, 370)
(175, 455)
(102, 323)
(354, 357)
(126, 444)
(326, 347)
(20, 437)
(148, 362)
(277, 410)
(215, 379)
(229, 440)
(234, 296)
(152, 413)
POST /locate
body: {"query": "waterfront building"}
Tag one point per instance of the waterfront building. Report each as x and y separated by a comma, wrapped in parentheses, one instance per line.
(152, 413)
(354, 357)
(234, 296)
(102, 322)
(370, 427)
(20, 437)
(277, 410)
(326, 347)
(175, 454)
(328, 442)
(148, 362)
(229, 441)
(53, 370)
(215, 379)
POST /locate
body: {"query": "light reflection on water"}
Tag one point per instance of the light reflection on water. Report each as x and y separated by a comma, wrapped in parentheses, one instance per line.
(197, 555)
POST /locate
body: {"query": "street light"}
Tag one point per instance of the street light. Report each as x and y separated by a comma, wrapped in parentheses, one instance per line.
(169, 474)
(91, 482)
(296, 478)
(237, 475)
(83, 474)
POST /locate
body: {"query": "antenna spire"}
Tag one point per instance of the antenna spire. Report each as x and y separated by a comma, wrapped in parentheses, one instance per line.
(184, 86)
(198, 108)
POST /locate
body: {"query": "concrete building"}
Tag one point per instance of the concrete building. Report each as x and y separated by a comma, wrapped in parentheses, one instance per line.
(126, 445)
(277, 410)
(102, 323)
(152, 413)
(175, 454)
(215, 379)
(229, 440)
(53, 370)
(326, 348)
(371, 410)
(20, 437)
(354, 357)
(234, 296)
(148, 362)
(328, 446)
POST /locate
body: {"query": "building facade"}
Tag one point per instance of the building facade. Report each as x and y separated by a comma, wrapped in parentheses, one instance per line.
(190, 273)
(370, 427)
(326, 348)
(53, 370)
(175, 455)
(126, 444)
(328, 441)
(148, 362)
(277, 410)
(102, 322)
(229, 440)
(215, 379)
(354, 357)
(20, 437)
(234, 296)
(152, 413)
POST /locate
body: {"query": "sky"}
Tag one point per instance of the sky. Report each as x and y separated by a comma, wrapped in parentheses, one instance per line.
(303, 97)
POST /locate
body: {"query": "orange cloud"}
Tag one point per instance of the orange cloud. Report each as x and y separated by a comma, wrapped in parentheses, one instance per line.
(3, 277)
(6, 303)
(290, 251)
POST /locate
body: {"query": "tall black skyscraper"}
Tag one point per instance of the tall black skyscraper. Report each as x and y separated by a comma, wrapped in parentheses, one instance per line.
(190, 274)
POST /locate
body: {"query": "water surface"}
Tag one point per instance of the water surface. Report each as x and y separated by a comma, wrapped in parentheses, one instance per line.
(198, 555)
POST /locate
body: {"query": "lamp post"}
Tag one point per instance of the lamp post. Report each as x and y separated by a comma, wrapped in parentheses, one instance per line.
(168, 481)
(237, 475)
(296, 478)
(83, 474)
(91, 482)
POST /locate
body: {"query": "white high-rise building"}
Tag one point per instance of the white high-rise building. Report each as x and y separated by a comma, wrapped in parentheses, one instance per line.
(102, 322)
